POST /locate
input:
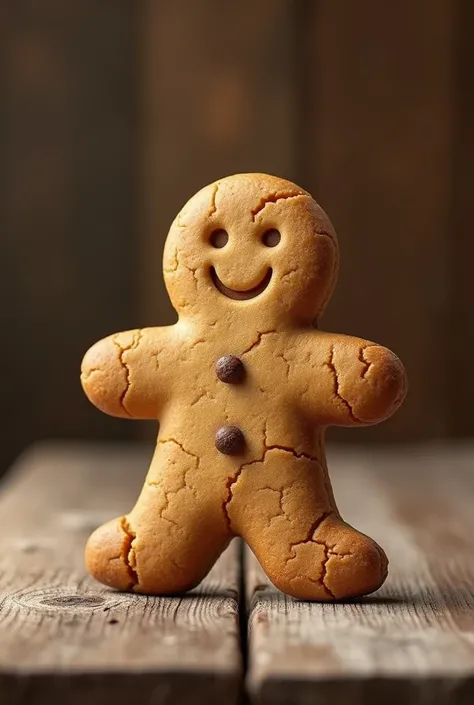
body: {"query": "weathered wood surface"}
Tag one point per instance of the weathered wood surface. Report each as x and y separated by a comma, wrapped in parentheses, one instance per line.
(66, 639)
(412, 642)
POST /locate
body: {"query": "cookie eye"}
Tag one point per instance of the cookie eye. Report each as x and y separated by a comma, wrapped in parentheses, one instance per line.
(271, 238)
(219, 238)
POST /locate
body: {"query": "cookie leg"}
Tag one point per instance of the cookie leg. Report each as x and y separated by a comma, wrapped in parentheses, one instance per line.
(332, 561)
(166, 545)
(283, 509)
(150, 555)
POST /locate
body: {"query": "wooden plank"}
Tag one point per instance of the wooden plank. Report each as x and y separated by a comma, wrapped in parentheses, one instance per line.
(413, 641)
(65, 638)
(217, 98)
(67, 72)
(378, 155)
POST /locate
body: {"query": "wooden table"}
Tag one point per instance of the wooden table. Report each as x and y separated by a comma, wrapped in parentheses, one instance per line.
(65, 639)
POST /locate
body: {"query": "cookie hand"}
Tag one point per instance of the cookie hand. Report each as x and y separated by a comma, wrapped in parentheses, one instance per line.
(119, 379)
(369, 382)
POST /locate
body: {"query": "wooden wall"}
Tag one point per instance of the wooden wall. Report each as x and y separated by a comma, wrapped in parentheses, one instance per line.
(114, 113)
(68, 266)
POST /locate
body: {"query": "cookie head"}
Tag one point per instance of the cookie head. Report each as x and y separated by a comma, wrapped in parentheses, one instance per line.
(251, 245)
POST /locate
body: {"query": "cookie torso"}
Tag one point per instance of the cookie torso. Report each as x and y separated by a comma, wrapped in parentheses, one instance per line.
(268, 406)
(264, 405)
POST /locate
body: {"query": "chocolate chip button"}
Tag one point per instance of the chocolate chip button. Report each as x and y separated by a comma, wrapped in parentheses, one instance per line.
(229, 440)
(230, 369)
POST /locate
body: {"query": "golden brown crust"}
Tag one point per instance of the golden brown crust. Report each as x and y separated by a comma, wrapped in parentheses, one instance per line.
(107, 554)
(121, 373)
(280, 507)
(272, 487)
(104, 378)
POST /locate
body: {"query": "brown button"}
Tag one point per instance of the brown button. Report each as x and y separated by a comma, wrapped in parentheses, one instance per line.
(229, 440)
(230, 369)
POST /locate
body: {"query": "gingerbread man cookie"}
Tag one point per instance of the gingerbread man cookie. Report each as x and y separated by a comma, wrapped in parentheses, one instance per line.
(244, 386)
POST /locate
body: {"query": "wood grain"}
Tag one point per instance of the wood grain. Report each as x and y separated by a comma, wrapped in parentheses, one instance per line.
(65, 638)
(413, 641)
(379, 149)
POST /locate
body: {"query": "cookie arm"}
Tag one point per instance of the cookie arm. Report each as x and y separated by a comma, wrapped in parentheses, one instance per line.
(120, 374)
(367, 382)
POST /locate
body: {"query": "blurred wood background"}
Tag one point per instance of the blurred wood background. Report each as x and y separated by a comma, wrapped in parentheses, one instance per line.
(114, 113)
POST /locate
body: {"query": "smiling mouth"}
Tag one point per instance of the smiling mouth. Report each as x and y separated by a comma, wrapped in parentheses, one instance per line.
(236, 293)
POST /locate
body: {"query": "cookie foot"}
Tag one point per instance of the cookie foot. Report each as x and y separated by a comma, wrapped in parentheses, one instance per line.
(107, 555)
(334, 562)
(155, 558)
(355, 564)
